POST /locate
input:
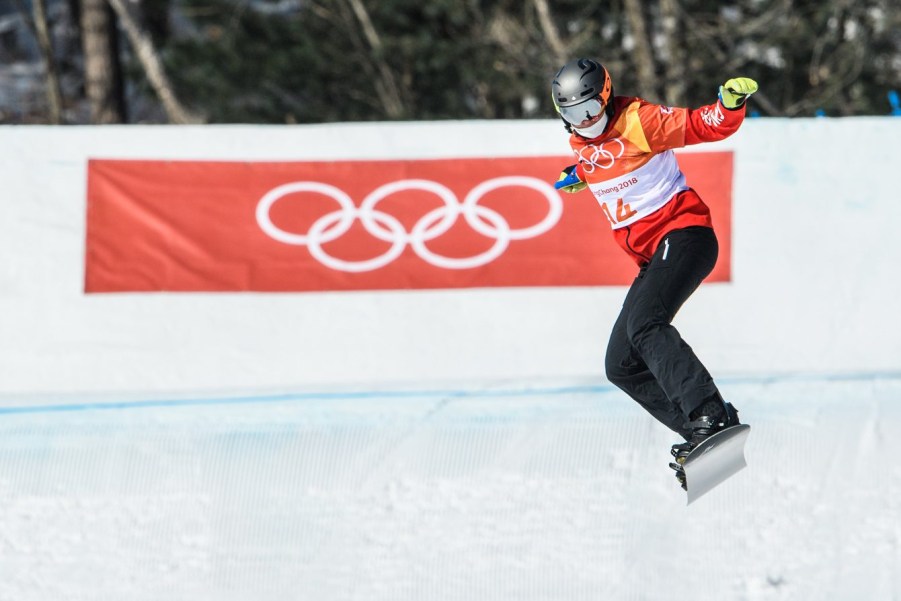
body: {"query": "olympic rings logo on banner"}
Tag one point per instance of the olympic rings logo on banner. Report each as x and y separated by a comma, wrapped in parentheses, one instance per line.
(386, 227)
(600, 156)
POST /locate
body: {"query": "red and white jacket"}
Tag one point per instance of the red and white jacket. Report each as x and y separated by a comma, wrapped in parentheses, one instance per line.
(633, 173)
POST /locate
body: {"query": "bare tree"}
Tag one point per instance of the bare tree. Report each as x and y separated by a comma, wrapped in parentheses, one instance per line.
(103, 76)
(644, 59)
(674, 92)
(152, 65)
(386, 86)
(36, 22)
(54, 96)
(550, 31)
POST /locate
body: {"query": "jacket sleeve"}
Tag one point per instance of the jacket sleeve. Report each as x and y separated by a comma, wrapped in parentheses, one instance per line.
(712, 123)
(666, 128)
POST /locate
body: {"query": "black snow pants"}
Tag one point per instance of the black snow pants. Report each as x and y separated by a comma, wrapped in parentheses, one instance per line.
(646, 356)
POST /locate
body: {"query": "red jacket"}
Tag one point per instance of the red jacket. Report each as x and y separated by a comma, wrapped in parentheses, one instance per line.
(633, 173)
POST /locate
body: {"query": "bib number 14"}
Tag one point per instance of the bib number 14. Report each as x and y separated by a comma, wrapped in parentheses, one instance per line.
(623, 212)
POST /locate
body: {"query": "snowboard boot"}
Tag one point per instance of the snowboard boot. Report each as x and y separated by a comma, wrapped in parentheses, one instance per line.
(708, 419)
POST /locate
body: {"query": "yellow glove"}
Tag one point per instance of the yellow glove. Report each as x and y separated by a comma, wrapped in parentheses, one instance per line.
(569, 181)
(735, 92)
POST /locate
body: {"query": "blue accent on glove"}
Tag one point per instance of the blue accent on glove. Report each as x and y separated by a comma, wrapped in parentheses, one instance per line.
(569, 180)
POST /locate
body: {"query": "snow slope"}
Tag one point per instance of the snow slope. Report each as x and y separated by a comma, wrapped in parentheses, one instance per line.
(493, 492)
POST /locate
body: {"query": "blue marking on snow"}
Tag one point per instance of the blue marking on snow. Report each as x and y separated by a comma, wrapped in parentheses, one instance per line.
(446, 394)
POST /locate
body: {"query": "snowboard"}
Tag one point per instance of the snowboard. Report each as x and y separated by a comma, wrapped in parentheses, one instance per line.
(715, 460)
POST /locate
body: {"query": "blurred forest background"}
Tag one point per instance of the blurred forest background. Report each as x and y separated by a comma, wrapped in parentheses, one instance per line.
(303, 61)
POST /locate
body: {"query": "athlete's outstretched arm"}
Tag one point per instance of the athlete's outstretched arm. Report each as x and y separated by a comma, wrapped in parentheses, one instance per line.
(723, 118)
(667, 128)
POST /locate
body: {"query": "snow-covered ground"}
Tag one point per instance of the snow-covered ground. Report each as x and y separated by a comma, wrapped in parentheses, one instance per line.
(557, 491)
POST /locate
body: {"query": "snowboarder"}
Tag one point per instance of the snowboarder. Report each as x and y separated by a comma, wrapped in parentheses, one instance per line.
(624, 149)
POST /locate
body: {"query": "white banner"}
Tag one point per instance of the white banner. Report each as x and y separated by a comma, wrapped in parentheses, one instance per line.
(815, 214)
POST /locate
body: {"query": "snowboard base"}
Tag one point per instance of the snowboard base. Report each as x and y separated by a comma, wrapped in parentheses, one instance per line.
(715, 460)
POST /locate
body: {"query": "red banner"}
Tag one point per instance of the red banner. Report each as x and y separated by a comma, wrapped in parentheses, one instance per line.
(360, 225)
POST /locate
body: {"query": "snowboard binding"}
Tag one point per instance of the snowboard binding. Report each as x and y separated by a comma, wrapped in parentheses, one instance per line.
(717, 428)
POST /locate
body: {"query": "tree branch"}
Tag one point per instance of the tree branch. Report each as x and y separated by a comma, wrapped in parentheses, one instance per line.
(153, 66)
(386, 88)
(37, 25)
(54, 95)
(647, 81)
(550, 31)
(675, 64)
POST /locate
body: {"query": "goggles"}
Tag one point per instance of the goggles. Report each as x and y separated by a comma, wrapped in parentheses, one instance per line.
(583, 111)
